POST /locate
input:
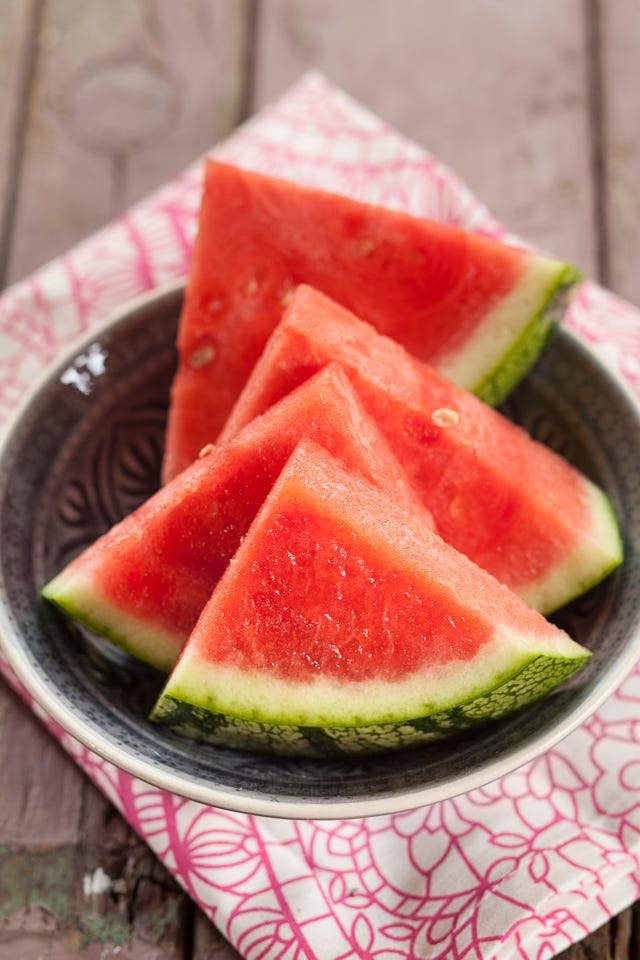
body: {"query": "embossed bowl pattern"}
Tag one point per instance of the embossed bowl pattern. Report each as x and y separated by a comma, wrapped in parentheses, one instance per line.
(87, 449)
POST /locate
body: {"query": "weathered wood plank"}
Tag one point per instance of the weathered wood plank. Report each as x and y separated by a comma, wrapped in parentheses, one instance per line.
(75, 881)
(135, 902)
(208, 942)
(42, 790)
(495, 89)
(19, 25)
(125, 95)
(55, 906)
(620, 81)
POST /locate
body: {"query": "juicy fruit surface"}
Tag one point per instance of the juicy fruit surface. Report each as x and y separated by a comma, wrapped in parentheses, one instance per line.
(479, 308)
(273, 599)
(399, 627)
(145, 582)
(506, 501)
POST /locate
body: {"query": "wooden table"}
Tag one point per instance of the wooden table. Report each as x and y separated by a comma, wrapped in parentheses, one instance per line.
(535, 104)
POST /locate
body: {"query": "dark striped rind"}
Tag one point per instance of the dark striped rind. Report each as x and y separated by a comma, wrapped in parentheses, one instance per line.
(540, 675)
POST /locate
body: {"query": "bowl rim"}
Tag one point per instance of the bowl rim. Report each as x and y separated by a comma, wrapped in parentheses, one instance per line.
(197, 787)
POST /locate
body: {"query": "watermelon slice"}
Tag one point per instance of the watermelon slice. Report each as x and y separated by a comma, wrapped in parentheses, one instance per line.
(478, 309)
(345, 624)
(144, 583)
(509, 503)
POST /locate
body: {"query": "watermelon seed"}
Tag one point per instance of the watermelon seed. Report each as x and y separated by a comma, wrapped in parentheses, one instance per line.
(286, 292)
(252, 285)
(206, 450)
(202, 356)
(443, 417)
(365, 246)
(215, 305)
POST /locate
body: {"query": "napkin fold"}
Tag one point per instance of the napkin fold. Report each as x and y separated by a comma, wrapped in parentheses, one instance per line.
(521, 868)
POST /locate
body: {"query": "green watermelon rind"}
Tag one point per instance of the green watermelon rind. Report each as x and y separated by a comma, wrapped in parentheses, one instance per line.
(601, 540)
(139, 638)
(533, 679)
(525, 350)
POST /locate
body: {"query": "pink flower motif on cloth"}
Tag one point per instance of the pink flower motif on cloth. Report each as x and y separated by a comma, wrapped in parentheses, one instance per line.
(41, 316)
(611, 324)
(616, 782)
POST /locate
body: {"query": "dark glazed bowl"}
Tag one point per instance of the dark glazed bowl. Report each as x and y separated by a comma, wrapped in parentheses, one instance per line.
(86, 449)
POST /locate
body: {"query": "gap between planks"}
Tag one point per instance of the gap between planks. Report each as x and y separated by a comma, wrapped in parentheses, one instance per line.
(28, 57)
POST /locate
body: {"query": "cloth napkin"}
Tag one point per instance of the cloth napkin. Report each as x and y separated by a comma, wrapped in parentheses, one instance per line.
(519, 869)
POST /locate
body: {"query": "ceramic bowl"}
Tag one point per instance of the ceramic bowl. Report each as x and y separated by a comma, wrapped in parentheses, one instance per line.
(86, 449)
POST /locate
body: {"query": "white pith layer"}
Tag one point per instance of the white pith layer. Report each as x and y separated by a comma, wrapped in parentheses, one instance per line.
(323, 701)
(491, 342)
(78, 594)
(597, 552)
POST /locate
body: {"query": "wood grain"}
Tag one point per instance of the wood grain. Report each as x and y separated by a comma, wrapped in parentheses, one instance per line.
(17, 44)
(124, 95)
(42, 794)
(208, 943)
(495, 89)
(73, 876)
(619, 24)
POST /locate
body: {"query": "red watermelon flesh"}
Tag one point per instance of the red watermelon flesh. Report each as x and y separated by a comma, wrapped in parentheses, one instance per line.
(341, 610)
(478, 309)
(509, 503)
(144, 583)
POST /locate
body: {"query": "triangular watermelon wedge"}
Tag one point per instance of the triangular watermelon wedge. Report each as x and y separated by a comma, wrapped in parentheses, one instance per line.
(512, 505)
(144, 583)
(477, 309)
(344, 624)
